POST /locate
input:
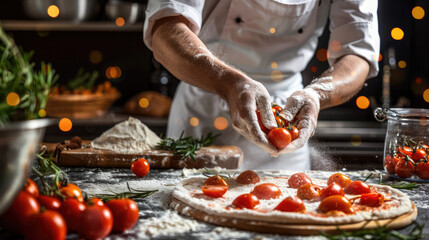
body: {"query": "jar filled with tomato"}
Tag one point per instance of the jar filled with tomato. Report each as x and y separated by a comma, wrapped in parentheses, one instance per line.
(406, 144)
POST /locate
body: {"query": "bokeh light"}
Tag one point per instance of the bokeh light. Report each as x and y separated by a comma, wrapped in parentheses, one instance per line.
(378, 57)
(418, 12)
(356, 140)
(272, 30)
(194, 121)
(426, 95)
(220, 123)
(113, 72)
(65, 124)
(42, 113)
(144, 102)
(397, 33)
(95, 57)
(402, 64)
(335, 46)
(322, 55)
(276, 75)
(313, 69)
(274, 65)
(12, 99)
(362, 102)
(53, 11)
(120, 21)
(419, 80)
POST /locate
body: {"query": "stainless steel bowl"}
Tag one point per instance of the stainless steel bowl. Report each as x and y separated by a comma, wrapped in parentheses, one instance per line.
(132, 12)
(70, 10)
(19, 142)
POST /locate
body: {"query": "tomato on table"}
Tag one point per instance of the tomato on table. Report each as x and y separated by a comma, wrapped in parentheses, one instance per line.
(47, 224)
(49, 202)
(372, 199)
(71, 209)
(330, 190)
(404, 168)
(95, 222)
(422, 170)
(279, 137)
(125, 213)
(336, 203)
(31, 187)
(248, 177)
(140, 167)
(291, 204)
(339, 178)
(216, 180)
(358, 187)
(246, 200)
(71, 191)
(298, 179)
(94, 201)
(309, 192)
(267, 191)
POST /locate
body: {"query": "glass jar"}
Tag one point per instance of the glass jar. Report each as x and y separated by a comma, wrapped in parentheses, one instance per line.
(406, 143)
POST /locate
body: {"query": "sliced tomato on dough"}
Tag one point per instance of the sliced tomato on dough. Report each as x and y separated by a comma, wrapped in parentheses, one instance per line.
(214, 191)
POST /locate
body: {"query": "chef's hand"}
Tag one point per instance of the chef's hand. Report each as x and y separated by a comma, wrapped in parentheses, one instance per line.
(244, 98)
(302, 106)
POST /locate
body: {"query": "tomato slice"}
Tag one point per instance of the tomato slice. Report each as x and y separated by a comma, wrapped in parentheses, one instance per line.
(214, 191)
(216, 180)
(246, 200)
(298, 179)
(309, 192)
(336, 203)
(291, 204)
(248, 177)
(339, 178)
(372, 199)
(358, 187)
(267, 191)
(332, 189)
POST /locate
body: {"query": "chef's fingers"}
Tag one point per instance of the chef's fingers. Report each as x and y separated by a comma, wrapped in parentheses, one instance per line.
(306, 130)
(293, 104)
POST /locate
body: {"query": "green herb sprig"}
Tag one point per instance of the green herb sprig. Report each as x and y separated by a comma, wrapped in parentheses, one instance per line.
(186, 146)
(208, 173)
(399, 185)
(131, 194)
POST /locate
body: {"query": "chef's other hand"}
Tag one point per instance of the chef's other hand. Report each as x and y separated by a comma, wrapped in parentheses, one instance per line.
(244, 99)
(302, 106)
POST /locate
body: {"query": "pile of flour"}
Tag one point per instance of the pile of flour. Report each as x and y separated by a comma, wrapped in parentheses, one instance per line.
(131, 136)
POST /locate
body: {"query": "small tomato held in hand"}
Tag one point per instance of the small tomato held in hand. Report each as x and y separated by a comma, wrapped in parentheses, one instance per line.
(140, 167)
(279, 137)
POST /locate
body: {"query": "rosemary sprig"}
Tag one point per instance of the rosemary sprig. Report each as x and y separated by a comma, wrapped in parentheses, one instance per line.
(131, 194)
(47, 167)
(399, 185)
(186, 146)
(209, 173)
(381, 233)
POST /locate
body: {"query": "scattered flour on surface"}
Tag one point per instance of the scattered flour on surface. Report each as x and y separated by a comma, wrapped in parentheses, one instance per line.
(131, 136)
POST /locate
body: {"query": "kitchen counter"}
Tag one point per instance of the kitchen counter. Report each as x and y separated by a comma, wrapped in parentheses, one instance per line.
(157, 221)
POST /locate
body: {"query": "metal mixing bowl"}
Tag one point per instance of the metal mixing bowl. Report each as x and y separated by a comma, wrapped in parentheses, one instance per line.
(132, 12)
(19, 142)
(70, 10)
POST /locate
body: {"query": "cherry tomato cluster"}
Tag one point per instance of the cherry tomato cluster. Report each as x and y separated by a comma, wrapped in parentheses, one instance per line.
(332, 197)
(38, 216)
(408, 160)
(283, 134)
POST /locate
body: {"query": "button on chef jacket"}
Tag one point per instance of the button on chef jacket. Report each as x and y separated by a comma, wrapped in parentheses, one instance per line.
(272, 41)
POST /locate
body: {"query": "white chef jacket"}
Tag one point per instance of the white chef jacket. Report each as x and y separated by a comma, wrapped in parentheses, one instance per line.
(272, 41)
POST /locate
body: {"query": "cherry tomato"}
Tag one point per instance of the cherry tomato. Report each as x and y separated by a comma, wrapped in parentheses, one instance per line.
(216, 180)
(294, 132)
(422, 170)
(95, 222)
(261, 125)
(70, 210)
(280, 122)
(298, 179)
(214, 191)
(49, 202)
(94, 201)
(279, 137)
(31, 187)
(46, 225)
(309, 192)
(248, 177)
(332, 189)
(404, 150)
(389, 164)
(372, 199)
(336, 203)
(140, 167)
(339, 178)
(418, 154)
(267, 191)
(72, 191)
(277, 108)
(404, 168)
(15, 217)
(246, 200)
(291, 204)
(358, 187)
(125, 213)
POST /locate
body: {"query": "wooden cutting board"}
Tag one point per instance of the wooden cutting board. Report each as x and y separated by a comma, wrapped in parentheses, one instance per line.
(289, 229)
(229, 157)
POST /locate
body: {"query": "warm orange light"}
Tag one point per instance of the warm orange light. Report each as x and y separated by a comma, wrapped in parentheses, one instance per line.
(419, 80)
(418, 12)
(53, 11)
(378, 57)
(426, 95)
(113, 72)
(220, 123)
(276, 75)
(272, 30)
(42, 113)
(356, 140)
(335, 46)
(144, 102)
(322, 55)
(313, 69)
(120, 21)
(397, 33)
(65, 124)
(95, 57)
(274, 65)
(194, 121)
(402, 64)
(362, 102)
(12, 99)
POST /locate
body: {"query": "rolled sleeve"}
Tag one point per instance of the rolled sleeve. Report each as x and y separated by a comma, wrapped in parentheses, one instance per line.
(157, 9)
(354, 25)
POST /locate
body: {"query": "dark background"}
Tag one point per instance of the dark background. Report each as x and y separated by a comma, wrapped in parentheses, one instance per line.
(69, 50)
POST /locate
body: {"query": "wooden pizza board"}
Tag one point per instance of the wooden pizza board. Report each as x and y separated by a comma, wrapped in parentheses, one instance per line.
(289, 229)
(229, 157)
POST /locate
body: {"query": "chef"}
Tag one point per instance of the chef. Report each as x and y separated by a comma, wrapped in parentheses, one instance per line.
(234, 57)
